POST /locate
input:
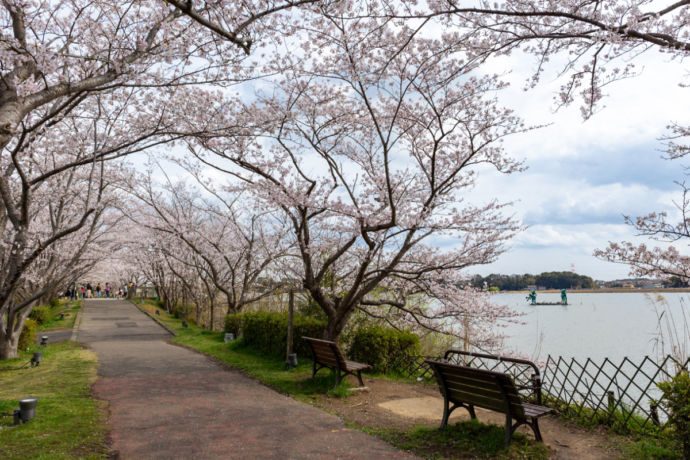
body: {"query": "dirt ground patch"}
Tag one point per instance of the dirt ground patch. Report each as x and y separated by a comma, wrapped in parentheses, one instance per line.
(403, 406)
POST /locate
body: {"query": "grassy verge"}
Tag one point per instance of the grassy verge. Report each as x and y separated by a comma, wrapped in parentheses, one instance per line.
(471, 439)
(463, 440)
(69, 308)
(634, 438)
(69, 424)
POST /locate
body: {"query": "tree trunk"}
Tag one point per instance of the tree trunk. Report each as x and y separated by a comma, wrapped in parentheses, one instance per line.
(213, 311)
(336, 323)
(8, 344)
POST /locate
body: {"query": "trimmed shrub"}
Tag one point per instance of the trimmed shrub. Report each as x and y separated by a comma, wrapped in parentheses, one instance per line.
(28, 334)
(383, 348)
(233, 323)
(54, 302)
(267, 331)
(676, 398)
(184, 311)
(41, 314)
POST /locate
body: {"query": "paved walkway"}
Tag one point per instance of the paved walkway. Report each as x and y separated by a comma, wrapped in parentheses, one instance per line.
(169, 402)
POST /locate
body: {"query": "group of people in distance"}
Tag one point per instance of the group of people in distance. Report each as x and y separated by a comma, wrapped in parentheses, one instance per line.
(87, 291)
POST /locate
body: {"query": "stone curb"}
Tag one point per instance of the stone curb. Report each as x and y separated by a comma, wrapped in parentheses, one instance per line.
(173, 333)
(77, 323)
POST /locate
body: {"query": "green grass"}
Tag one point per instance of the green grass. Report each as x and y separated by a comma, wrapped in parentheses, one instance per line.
(470, 439)
(465, 440)
(648, 448)
(69, 424)
(69, 308)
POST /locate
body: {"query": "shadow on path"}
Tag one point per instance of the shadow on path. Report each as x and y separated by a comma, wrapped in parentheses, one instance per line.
(169, 402)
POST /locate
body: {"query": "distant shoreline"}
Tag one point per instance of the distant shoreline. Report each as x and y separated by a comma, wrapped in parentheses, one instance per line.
(598, 291)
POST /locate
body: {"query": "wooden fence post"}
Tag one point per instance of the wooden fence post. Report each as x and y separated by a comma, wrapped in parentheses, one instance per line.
(611, 400)
(290, 357)
(654, 413)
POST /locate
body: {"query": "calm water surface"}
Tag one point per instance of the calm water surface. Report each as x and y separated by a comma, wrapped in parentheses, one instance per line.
(610, 325)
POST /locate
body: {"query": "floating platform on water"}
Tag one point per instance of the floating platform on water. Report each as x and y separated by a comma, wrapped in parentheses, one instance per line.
(549, 303)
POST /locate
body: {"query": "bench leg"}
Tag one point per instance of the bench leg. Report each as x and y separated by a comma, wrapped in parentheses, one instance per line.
(337, 378)
(535, 429)
(509, 430)
(446, 412)
(359, 377)
(470, 409)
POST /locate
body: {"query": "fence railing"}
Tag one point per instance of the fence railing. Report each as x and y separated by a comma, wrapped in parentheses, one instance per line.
(622, 393)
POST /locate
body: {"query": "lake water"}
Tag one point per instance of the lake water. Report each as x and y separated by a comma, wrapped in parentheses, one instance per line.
(594, 325)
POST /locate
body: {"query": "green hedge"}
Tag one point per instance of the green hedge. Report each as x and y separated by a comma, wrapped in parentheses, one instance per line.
(267, 331)
(186, 312)
(383, 348)
(41, 314)
(233, 323)
(28, 334)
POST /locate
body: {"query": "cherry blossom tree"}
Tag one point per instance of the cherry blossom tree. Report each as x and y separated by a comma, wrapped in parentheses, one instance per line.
(371, 151)
(82, 83)
(230, 242)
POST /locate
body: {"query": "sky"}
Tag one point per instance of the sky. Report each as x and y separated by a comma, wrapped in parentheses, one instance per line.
(583, 176)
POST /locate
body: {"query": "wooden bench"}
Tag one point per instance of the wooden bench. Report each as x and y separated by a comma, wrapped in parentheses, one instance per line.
(328, 354)
(469, 387)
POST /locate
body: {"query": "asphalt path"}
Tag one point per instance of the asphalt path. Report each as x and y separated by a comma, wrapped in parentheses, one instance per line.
(168, 402)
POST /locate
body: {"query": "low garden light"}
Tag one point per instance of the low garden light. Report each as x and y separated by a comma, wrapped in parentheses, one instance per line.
(44, 340)
(185, 324)
(37, 358)
(26, 411)
(229, 337)
(291, 361)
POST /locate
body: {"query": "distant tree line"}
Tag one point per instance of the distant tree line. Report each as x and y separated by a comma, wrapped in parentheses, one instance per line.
(547, 280)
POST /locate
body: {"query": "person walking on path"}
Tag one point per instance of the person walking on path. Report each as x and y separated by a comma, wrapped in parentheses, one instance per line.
(98, 290)
(107, 290)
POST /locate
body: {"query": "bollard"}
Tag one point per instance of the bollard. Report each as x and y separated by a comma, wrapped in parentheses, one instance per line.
(228, 337)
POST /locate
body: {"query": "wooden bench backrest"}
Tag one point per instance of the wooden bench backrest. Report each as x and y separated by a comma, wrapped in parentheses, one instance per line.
(326, 352)
(479, 387)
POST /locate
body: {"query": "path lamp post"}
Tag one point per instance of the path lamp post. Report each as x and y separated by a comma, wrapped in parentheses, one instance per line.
(44, 340)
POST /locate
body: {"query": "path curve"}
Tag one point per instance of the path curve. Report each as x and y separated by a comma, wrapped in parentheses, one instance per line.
(172, 403)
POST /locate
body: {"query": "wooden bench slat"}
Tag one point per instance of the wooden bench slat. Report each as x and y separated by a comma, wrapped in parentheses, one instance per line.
(490, 393)
(535, 410)
(352, 365)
